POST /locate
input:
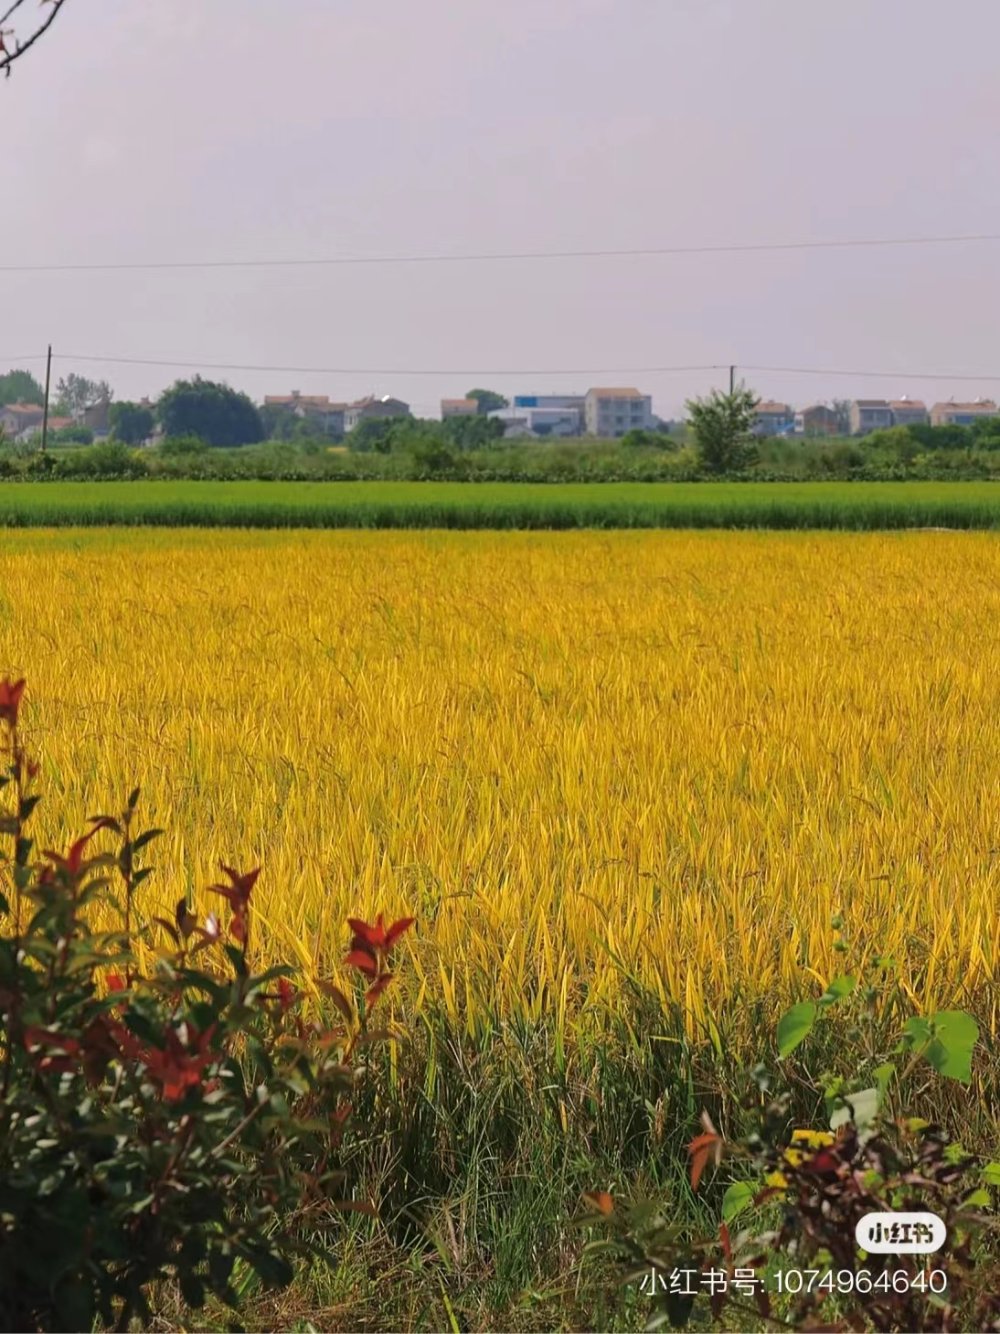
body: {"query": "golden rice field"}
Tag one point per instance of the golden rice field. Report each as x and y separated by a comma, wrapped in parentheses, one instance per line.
(572, 755)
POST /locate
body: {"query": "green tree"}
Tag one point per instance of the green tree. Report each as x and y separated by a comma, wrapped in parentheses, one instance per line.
(940, 437)
(841, 408)
(721, 424)
(471, 432)
(131, 423)
(381, 435)
(21, 387)
(75, 393)
(488, 399)
(218, 414)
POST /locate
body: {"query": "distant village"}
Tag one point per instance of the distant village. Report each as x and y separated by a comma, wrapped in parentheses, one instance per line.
(602, 413)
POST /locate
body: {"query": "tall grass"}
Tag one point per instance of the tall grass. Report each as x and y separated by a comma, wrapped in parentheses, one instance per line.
(502, 505)
(624, 780)
(583, 760)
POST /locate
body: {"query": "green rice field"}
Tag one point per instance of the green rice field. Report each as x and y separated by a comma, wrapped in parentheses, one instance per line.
(256, 504)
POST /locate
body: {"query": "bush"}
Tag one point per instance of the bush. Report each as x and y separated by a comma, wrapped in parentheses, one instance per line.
(110, 458)
(181, 1122)
(73, 435)
(801, 1193)
(182, 446)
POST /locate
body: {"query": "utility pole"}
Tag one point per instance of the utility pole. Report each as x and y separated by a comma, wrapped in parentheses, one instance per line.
(45, 410)
(732, 379)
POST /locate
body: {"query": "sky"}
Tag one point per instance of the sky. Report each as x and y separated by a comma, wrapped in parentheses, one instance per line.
(174, 131)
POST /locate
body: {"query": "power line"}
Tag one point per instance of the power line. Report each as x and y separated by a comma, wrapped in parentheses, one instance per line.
(512, 256)
(197, 364)
(875, 375)
(381, 370)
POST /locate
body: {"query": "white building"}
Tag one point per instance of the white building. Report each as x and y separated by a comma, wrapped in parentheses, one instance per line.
(611, 412)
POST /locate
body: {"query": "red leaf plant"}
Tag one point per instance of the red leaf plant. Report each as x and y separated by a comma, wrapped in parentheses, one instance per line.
(237, 895)
(371, 944)
(10, 699)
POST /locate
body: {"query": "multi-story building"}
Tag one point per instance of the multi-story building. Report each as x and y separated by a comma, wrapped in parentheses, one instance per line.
(367, 408)
(962, 414)
(908, 412)
(817, 420)
(771, 418)
(612, 412)
(870, 414)
(459, 407)
(314, 408)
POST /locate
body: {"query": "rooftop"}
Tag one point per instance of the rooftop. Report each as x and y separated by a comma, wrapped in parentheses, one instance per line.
(615, 393)
(24, 409)
(770, 405)
(279, 400)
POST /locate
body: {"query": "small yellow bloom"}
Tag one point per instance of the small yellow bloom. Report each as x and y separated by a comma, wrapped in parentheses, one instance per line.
(794, 1157)
(813, 1139)
(776, 1179)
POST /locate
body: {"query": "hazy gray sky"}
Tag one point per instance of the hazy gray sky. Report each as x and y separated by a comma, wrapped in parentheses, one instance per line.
(154, 130)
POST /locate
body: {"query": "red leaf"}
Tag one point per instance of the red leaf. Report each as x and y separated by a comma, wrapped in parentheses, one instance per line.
(339, 999)
(10, 691)
(601, 1201)
(702, 1148)
(373, 936)
(727, 1245)
(362, 960)
(240, 886)
(397, 929)
(377, 987)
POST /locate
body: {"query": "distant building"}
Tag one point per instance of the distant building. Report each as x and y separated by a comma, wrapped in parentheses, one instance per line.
(365, 409)
(611, 412)
(315, 408)
(908, 412)
(817, 420)
(542, 415)
(16, 418)
(958, 414)
(771, 418)
(97, 417)
(870, 414)
(459, 407)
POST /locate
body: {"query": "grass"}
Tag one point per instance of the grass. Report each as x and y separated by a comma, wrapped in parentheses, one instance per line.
(624, 781)
(503, 505)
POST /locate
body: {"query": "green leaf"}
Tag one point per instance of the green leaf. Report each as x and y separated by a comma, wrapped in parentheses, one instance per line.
(947, 1040)
(795, 1025)
(864, 1104)
(991, 1174)
(979, 1199)
(884, 1075)
(837, 990)
(736, 1199)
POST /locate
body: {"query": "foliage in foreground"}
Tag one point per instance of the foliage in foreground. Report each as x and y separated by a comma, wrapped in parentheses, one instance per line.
(180, 1122)
(802, 1261)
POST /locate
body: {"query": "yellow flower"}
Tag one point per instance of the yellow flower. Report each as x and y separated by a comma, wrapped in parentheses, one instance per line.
(812, 1139)
(776, 1179)
(794, 1157)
